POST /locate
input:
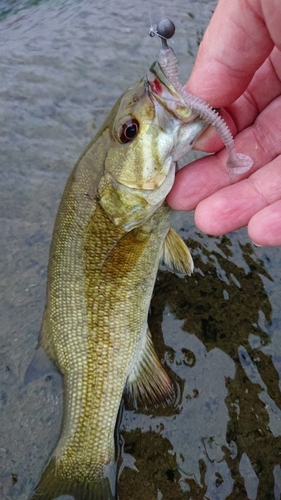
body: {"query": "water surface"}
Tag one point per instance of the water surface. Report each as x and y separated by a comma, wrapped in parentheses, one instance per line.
(63, 64)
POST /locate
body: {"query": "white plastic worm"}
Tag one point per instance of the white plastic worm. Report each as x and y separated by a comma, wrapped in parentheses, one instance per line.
(238, 163)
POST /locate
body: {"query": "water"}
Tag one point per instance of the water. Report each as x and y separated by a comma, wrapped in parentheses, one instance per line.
(63, 64)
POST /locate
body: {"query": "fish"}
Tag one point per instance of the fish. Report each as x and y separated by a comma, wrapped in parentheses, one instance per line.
(112, 229)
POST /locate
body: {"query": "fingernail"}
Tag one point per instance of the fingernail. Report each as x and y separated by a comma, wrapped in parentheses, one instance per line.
(256, 244)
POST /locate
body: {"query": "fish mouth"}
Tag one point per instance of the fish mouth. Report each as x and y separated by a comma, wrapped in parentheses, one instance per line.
(168, 98)
(167, 95)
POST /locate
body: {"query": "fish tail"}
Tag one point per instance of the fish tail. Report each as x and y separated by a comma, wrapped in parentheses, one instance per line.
(52, 485)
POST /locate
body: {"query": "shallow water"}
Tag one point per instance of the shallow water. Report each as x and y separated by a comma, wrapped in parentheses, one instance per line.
(63, 64)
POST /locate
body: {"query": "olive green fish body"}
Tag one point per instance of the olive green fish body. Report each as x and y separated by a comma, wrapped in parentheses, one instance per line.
(98, 329)
(111, 231)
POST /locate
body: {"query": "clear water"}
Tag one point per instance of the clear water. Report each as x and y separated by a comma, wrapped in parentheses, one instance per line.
(63, 64)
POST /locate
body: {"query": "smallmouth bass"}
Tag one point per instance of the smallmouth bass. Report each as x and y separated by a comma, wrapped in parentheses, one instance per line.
(111, 231)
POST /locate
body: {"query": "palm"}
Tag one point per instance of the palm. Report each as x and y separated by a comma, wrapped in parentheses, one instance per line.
(225, 203)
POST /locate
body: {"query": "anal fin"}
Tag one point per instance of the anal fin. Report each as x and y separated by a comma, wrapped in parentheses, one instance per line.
(176, 255)
(148, 382)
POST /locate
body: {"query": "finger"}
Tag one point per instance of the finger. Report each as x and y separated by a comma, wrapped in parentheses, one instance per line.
(235, 45)
(210, 140)
(262, 90)
(265, 227)
(204, 177)
(271, 13)
(197, 181)
(234, 206)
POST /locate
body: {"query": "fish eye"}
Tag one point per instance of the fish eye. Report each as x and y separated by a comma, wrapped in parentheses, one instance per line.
(129, 131)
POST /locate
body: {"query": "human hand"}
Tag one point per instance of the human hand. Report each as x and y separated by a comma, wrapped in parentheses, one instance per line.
(238, 67)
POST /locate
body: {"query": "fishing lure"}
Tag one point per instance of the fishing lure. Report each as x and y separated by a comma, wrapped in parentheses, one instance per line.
(238, 163)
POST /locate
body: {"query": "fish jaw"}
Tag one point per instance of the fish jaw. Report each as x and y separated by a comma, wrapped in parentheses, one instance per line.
(130, 208)
(166, 94)
(191, 125)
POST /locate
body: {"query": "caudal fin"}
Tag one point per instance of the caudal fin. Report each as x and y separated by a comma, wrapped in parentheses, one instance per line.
(51, 486)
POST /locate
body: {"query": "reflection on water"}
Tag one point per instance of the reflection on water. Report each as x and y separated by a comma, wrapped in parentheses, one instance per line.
(63, 64)
(215, 331)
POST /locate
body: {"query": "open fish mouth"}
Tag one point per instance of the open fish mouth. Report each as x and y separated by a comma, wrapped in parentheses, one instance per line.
(173, 113)
(165, 93)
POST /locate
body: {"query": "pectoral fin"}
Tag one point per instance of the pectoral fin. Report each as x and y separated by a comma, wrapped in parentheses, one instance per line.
(148, 381)
(176, 255)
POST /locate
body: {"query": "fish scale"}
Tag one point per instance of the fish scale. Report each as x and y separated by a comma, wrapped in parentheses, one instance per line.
(111, 231)
(110, 337)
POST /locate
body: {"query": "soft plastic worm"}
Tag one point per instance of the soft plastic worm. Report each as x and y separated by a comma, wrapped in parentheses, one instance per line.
(236, 162)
